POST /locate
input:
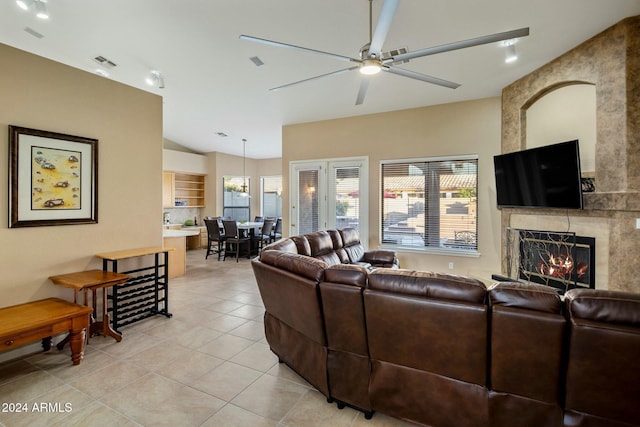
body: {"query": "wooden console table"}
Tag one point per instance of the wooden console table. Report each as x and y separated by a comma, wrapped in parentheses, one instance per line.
(146, 293)
(24, 323)
(92, 280)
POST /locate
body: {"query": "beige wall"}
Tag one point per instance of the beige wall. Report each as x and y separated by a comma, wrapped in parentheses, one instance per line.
(220, 165)
(452, 129)
(42, 94)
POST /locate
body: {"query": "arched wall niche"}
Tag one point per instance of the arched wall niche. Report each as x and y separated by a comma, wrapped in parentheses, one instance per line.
(563, 112)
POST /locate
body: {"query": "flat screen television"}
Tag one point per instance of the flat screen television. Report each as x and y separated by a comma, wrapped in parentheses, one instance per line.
(541, 177)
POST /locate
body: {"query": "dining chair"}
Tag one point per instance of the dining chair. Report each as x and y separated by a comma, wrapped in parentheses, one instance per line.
(276, 233)
(259, 219)
(214, 237)
(265, 234)
(234, 239)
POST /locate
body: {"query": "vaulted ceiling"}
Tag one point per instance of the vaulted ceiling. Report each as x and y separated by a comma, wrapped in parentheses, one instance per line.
(212, 86)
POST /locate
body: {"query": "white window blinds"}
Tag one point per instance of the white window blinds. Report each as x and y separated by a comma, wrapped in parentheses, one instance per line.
(430, 203)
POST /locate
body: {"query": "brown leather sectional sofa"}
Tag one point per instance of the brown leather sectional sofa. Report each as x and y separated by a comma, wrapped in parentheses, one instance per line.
(443, 350)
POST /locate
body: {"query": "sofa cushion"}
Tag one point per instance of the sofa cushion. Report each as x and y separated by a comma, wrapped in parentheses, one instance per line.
(305, 266)
(349, 274)
(428, 284)
(338, 246)
(604, 306)
(351, 244)
(321, 247)
(283, 245)
(302, 244)
(525, 295)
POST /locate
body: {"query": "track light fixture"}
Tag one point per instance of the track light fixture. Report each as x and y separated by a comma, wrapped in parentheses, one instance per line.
(510, 54)
(155, 78)
(40, 5)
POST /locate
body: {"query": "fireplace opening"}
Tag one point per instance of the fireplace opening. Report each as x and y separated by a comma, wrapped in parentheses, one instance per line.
(561, 260)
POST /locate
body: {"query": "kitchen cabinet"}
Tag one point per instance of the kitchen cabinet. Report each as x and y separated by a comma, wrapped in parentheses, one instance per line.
(183, 190)
(167, 190)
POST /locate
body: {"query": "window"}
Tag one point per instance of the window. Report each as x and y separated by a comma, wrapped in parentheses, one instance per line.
(236, 201)
(430, 203)
(271, 192)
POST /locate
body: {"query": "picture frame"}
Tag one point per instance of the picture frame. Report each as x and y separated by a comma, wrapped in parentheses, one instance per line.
(53, 178)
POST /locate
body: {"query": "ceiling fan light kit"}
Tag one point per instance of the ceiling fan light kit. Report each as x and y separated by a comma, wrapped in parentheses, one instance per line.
(369, 67)
(370, 63)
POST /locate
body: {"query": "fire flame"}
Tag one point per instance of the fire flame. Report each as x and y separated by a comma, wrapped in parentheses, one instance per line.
(561, 266)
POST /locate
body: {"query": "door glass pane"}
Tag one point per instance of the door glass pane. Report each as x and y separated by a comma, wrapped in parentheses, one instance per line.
(347, 186)
(307, 201)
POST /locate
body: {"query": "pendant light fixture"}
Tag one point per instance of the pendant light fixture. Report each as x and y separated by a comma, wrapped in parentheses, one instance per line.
(244, 188)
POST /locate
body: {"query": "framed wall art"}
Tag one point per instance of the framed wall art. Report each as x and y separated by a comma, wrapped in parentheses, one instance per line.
(53, 178)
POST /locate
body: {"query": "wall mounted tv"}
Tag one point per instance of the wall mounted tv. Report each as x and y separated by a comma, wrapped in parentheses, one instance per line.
(541, 177)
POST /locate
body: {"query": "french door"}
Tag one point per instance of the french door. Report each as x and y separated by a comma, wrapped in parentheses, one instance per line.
(328, 194)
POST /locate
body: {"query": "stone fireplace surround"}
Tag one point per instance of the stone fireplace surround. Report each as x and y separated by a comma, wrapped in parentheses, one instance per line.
(611, 62)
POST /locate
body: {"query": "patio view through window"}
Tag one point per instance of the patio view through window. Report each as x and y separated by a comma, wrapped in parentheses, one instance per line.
(236, 203)
(271, 190)
(430, 203)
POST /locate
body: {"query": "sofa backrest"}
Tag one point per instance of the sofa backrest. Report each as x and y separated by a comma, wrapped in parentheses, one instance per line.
(321, 247)
(428, 321)
(349, 367)
(351, 244)
(527, 338)
(302, 244)
(282, 245)
(343, 307)
(603, 381)
(338, 246)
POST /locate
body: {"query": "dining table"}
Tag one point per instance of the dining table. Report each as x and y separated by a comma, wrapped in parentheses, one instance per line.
(253, 229)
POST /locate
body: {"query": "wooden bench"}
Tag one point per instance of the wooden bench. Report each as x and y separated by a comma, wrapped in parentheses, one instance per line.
(24, 323)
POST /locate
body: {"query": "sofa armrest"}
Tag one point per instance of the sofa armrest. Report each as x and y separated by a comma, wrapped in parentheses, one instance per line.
(380, 257)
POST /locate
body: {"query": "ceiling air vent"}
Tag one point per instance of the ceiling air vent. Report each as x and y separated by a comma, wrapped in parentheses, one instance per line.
(257, 61)
(33, 32)
(104, 62)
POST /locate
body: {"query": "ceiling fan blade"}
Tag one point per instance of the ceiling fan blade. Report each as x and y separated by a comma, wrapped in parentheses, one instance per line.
(522, 32)
(387, 13)
(333, 73)
(294, 47)
(421, 77)
(362, 92)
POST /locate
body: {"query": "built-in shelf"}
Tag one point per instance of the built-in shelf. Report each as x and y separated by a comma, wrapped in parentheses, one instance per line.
(183, 190)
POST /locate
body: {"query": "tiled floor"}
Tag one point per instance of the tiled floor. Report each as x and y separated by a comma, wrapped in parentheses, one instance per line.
(209, 365)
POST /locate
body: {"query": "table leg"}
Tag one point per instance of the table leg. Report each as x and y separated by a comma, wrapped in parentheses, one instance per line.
(76, 342)
(106, 321)
(46, 343)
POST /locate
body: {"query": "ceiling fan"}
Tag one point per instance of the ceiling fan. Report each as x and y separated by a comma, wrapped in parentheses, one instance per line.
(371, 60)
